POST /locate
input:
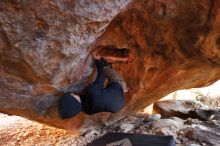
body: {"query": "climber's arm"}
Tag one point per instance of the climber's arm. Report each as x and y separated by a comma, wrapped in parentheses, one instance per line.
(113, 58)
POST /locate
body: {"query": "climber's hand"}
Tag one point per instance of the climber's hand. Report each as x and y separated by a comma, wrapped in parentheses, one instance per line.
(128, 90)
(96, 55)
(130, 58)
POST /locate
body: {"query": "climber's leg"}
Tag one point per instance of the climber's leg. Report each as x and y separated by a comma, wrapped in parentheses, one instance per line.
(100, 79)
(113, 76)
(96, 87)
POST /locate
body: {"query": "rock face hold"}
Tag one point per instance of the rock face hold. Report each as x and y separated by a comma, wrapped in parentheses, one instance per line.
(44, 47)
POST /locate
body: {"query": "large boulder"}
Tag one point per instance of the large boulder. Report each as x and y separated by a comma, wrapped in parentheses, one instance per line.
(44, 49)
(174, 108)
(185, 109)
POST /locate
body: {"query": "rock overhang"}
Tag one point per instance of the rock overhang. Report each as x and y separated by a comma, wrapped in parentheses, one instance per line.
(175, 45)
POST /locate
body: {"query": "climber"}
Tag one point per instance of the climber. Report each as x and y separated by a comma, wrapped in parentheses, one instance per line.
(97, 98)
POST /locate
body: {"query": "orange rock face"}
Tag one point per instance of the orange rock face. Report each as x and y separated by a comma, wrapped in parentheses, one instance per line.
(45, 45)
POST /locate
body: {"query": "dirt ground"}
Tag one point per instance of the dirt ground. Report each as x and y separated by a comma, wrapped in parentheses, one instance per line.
(16, 131)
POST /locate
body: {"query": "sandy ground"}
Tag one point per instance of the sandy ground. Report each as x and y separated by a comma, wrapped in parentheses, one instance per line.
(16, 131)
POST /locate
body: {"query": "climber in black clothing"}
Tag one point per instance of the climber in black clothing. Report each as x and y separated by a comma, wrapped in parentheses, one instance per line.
(100, 99)
(97, 98)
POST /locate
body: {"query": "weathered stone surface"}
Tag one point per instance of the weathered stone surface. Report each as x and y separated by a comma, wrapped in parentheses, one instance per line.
(44, 46)
(173, 108)
(210, 114)
(185, 109)
(155, 117)
(126, 127)
(203, 135)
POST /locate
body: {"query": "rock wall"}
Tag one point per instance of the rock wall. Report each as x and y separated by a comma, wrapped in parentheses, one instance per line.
(176, 47)
(44, 49)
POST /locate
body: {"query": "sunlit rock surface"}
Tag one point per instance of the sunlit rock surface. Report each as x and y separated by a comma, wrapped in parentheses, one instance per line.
(44, 47)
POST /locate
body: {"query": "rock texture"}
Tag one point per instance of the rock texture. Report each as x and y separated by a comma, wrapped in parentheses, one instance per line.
(186, 109)
(44, 47)
(16, 130)
(176, 108)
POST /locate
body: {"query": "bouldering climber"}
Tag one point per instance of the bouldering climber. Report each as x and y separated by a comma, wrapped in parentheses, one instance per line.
(96, 97)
